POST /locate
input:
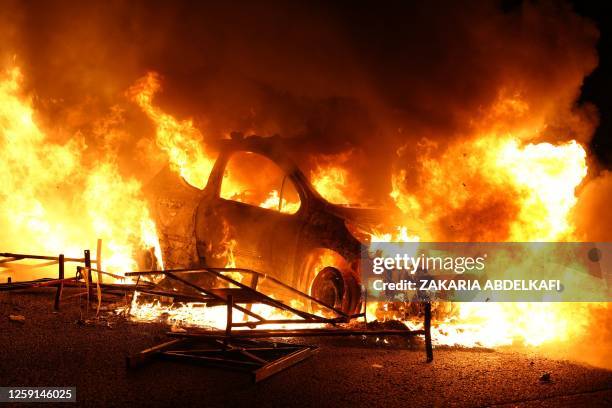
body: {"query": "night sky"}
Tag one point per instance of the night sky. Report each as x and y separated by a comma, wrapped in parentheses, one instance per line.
(597, 87)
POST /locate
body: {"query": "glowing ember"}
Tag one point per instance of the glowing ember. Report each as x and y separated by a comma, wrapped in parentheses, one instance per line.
(200, 315)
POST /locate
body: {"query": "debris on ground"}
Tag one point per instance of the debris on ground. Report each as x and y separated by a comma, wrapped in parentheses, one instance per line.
(545, 378)
(387, 325)
(101, 321)
(17, 318)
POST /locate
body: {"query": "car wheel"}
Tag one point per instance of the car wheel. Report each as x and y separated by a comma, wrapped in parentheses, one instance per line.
(337, 289)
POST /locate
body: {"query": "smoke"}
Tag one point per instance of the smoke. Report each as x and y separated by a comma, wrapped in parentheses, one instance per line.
(592, 213)
(338, 76)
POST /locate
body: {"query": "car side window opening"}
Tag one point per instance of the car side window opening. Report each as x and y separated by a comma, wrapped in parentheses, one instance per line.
(253, 179)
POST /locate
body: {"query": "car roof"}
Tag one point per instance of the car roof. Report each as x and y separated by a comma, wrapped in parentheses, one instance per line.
(274, 147)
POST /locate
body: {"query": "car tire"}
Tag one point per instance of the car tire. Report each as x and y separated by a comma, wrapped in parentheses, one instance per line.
(336, 288)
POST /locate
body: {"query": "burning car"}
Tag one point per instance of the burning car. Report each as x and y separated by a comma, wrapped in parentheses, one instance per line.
(259, 211)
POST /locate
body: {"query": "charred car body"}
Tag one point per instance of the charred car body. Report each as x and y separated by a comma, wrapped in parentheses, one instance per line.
(307, 244)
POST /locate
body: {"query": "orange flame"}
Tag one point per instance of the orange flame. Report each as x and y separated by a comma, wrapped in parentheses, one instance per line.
(182, 142)
(500, 190)
(53, 201)
(530, 190)
(332, 183)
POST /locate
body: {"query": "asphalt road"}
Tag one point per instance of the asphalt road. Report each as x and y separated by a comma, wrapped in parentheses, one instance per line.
(52, 349)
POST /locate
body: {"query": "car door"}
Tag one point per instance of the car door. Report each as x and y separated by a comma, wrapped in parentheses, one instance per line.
(247, 223)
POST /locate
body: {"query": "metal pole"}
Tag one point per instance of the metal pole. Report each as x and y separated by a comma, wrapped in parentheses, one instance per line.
(99, 259)
(211, 294)
(427, 327)
(88, 266)
(230, 308)
(254, 282)
(228, 325)
(365, 308)
(48, 258)
(60, 286)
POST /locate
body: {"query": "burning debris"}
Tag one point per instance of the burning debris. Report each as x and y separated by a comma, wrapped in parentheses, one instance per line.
(17, 318)
(241, 293)
(241, 349)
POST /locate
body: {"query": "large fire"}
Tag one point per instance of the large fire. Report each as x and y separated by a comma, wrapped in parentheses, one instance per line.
(478, 174)
(55, 201)
(541, 179)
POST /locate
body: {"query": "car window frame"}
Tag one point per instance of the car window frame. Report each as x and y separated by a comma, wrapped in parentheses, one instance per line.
(221, 166)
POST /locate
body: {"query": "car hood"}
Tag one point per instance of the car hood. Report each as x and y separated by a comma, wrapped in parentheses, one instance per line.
(373, 220)
(361, 216)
